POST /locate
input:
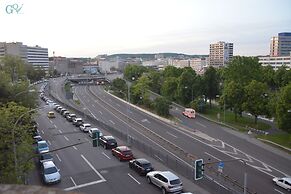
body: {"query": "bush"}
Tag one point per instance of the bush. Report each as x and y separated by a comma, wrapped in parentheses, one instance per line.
(162, 106)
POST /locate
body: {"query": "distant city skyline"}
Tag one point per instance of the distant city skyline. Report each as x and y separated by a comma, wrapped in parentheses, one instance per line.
(88, 28)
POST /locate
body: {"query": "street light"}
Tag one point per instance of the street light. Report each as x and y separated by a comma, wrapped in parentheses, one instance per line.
(13, 134)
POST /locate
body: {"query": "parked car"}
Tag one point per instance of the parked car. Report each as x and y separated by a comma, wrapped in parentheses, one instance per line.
(166, 180)
(63, 110)
(57, 106)
(51, 114)
(50, 173)
(85, 127)
(65, 113)
(59, 109)
(77, 122)
(108, 142)
(284, 182)
(45, 158)
(122, 153)
(94, 130)
(42, 147)
(70, 117)
(141, 166)
(37, 138)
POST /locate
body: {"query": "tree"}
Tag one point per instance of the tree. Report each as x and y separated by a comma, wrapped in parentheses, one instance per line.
(14, 67)
(156, 81)
(243, 70)
(171, 71)
(268, 76)
(233, 97)
(211, 83)
(282, 77)
(34, 74)
(256, 102)
(120, 87)
(162, 106)
(135, 71)
(10, 112)
(169, 88)
(283, 108)
(140, 92)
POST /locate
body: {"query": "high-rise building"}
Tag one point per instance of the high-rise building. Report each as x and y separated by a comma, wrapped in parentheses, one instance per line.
(280, 45)
(220, 54)
(36, 56)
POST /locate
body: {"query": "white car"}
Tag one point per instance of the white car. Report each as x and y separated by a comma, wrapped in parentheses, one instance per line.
(50, 173)
(283, 182)
(166, 180)
(94, 130)
(85, 127)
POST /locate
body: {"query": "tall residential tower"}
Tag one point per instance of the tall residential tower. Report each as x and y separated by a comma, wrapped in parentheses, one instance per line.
(281, 45)
(220, 54)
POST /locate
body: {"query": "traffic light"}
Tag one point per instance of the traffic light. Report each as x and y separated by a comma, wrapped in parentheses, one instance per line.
(96, 136)
(199, 169)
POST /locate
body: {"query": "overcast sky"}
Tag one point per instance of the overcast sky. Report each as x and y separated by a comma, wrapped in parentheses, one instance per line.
(75, 28)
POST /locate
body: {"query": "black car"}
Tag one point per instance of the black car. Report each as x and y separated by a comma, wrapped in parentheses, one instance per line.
(108, 142)
(141, 166)
(45, 157)
(37, 138)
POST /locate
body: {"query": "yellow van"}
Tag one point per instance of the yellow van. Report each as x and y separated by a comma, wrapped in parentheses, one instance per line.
(51, 114)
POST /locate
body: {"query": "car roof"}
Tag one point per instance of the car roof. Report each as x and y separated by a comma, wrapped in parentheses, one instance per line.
(287, 179)
(78, 118)
(123, 148)
(72, 114)
(87, 124)
(108, 137)
(169, 175)
(48, 164)
(42, 141)
(95, 129)
(51, 112)
(142, 161)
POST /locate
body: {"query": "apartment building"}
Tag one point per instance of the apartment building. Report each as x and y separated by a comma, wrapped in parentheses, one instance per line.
(276, 62)
(280, 45)
(220, 54)
(34, 55)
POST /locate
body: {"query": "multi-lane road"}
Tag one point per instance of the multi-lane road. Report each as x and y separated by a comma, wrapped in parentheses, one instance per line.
(200, 138)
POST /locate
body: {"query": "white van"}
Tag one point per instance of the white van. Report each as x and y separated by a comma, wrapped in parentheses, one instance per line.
(189, 112)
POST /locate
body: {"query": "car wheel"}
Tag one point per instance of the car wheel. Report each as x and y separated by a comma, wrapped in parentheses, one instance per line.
(130, 166)
(164, 190)
(119, 159)
(104, 145)
(149, 180)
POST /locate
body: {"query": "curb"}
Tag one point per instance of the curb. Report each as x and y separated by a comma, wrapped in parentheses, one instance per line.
(268, 141)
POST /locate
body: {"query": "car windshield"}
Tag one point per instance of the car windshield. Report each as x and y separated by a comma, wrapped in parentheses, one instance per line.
(50, 170)
(111, 141)
(42, 145)
(175, 182)
(46, 157)
(127, 152)
(146, 165)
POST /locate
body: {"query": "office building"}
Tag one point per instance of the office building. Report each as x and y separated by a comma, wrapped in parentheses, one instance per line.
(280, 45)
(36, 56)
(276, 62)
(220, 54)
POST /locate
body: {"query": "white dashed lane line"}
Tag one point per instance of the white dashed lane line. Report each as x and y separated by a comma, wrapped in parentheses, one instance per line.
(106, 155)
(75, 147)
(58, 157)
(171, 134)
(112, 122)
(66, 138)
(60, 131)
(100, 112)
(133, 178)
(73, 181)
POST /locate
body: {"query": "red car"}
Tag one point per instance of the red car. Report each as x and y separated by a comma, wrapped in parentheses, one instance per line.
(122, 153)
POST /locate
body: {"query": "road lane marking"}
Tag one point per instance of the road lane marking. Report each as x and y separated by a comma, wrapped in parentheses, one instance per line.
(171, 134)
(42, 131)
(93, 105)
(100, 112)
(158, 157)
(200, 124)
(55, 126)
(75, 147)
(106, 155)
(86, 139)
(212, 156)
(73, 181)
(58, 157)
(49, 142)
(117, 104)
(112, 122)
(94, 117)
(102, 178)
(66, 138)
(51, 121)
(133, 178)
(278, 191)
(84, 185)
(60, 131)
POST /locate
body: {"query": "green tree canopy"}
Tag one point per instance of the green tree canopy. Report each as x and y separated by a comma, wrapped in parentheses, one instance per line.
(134, 71)
(169, 88)
(211, 83)
(162, 106)
(171, 71)
(283, 108)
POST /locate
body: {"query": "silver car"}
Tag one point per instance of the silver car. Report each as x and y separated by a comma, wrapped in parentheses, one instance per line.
(166, 180)
(50, 173)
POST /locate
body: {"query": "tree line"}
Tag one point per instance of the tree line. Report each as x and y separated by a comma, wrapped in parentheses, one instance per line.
(242, 86)
(17, 98)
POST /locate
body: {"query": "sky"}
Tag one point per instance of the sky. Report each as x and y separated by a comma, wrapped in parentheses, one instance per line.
(87, 28)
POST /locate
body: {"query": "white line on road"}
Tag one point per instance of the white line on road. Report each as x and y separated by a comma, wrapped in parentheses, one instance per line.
(212, 156)
(278, 191)
(94, 117)
(106, 155)
(93, 168)
(86, 139)
(60, 131)
(51, 121)
(58, 157)
(42, 131)
(112, 122)
(133, 178)
(93, 105)
(100, 112)
(75, 147)
(200, 124)
(158, 157)
(66, 138)
(49, 142)
(55, 126)
(84, 185)
(172, 134)
(73, 180)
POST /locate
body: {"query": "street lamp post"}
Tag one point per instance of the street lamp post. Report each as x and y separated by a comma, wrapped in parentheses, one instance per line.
(13, 135)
